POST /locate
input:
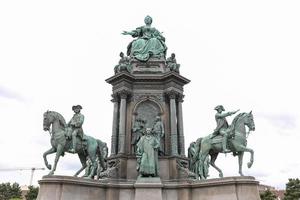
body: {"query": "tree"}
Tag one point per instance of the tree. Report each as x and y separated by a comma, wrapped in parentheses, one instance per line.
(32, 193)
(15, 191)
(267, 195)
(292, 190)
(8, 191)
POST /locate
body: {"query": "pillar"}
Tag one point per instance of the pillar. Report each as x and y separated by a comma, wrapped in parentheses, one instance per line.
(122, 123)
(114, 137)
(174, 138)
(180, 126)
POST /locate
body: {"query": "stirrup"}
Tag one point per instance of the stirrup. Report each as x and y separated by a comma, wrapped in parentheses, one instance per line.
(226, 151)
(72, 150)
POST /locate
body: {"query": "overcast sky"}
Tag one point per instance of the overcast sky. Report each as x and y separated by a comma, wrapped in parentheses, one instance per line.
(242, 54)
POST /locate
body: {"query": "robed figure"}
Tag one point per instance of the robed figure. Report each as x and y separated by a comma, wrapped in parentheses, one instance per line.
(147, 155)
(149, 42)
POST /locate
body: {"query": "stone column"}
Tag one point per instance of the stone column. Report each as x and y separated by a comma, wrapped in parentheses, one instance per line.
(122, 123)
(180, 126)
(114, 137)
(174, 138)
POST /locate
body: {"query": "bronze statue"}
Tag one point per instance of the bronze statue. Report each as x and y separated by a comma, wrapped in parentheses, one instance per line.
(124, 64)
(237, 144)
(137, 132)
(61, 143)
(172, 63)
(149, 42)
(147, 155)
(75, 125)
(222, 125)
(194, 160)
(159, 132)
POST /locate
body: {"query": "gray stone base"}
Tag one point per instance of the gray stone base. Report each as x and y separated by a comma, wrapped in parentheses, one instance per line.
(71, 188)
(148, 188)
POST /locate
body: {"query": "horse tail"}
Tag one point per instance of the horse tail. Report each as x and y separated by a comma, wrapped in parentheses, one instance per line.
(102, 152)
(195, 157)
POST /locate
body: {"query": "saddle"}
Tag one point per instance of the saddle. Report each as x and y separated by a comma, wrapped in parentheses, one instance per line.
(215, 139)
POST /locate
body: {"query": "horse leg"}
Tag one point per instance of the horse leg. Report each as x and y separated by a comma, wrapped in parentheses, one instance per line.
(249, 164)
(200, 168)
(92, 151)
(245, 149)
(50, 151)
(59, 151)
(101, 161)
(82, 159)
(240, 156)
(213, 158)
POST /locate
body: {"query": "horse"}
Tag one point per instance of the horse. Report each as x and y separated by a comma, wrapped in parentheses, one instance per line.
(237, 144)
(89, 147)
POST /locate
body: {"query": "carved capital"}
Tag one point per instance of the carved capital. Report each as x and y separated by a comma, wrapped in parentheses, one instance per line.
(172, 94)
(180, 98)
(124, 94)
(115, 98)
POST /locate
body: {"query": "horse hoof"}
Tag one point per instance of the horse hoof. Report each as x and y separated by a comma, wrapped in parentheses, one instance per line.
(51, 173)
(249, 164)
(49, 167)
(221, 175)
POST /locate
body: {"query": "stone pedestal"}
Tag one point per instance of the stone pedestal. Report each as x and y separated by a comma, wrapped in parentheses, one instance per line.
(149, 91)
(72, 188)
(148, 188)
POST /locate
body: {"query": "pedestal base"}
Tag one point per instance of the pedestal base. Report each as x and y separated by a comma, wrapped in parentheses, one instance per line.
(148, 188)
(72, 188)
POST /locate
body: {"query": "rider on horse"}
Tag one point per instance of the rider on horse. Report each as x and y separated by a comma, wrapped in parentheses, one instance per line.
(222, 125)
(76, 126)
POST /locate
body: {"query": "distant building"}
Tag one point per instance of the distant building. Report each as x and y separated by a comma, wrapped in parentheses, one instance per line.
(24, 189)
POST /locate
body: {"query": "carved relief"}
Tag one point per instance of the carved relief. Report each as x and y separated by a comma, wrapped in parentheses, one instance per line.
(157, 96)
(111, 171)
(148, 110)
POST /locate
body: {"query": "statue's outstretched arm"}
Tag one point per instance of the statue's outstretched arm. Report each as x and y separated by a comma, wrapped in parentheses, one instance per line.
(134, 33)
(226, 114)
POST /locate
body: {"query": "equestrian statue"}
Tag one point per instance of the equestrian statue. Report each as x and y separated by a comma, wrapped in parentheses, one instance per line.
(69, 137)
(225, 139)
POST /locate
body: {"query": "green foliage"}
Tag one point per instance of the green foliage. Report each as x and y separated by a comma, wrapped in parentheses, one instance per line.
(8, 191)
(292, 191)
(267, 195)
(32, 193)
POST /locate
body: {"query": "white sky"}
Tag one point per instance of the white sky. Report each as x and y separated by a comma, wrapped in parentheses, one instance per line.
(242, 54)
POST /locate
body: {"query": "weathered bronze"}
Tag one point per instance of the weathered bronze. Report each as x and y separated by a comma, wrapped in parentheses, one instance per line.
(75, 126)
(147, 155)
(194, 161)
(149, 42)
(237, 144)
(137, 132)
(61, 143)
(222, 125)
(159, 132)
(124, 64)
(172, 63)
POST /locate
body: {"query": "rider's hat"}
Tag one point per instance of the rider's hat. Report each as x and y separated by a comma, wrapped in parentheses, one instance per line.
(219, 107)
(77, 106)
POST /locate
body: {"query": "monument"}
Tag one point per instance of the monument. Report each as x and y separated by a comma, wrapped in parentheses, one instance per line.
(147, 156)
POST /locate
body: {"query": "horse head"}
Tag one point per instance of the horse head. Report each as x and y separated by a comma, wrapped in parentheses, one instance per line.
(48, 119)
(244, 119)
(51, 117)
(248, 121)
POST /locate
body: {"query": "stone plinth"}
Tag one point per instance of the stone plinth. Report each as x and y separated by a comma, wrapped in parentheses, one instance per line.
(148, 188)
(71, 188)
